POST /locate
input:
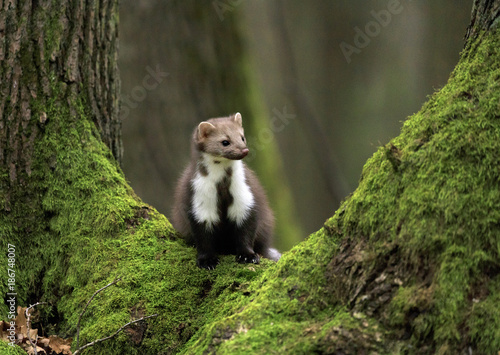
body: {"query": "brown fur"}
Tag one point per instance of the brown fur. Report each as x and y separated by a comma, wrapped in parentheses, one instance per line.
(207, 137)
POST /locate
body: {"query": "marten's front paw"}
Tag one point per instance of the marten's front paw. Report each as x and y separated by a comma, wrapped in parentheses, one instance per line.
(207, 262)
(247, 258)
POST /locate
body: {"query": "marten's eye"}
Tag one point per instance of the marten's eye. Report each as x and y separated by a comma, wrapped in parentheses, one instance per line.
(242, 138)
(225, 143)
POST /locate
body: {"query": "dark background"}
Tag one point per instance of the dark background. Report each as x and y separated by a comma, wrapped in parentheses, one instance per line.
(325, 116)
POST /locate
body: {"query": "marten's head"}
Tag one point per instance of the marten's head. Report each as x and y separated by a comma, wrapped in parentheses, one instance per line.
(222, 137)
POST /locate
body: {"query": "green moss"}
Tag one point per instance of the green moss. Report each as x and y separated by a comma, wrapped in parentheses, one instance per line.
(278, 306)
(484, 320)
(6, 349)
(290, 311)
(434, 191)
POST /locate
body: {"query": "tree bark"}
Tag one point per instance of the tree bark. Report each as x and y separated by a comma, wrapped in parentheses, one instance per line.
(59, 90)
(485, 14)
(409, 263)
(53, 52)
(57, 67)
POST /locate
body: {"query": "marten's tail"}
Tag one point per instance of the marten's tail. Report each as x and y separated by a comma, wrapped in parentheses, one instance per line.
(272, 254)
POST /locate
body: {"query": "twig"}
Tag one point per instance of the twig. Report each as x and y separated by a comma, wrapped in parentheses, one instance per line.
(78, 351)
(28, 324)
(90, 300)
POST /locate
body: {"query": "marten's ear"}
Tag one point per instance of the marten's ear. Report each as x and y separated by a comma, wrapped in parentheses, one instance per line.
(204, 129)
(237, 118)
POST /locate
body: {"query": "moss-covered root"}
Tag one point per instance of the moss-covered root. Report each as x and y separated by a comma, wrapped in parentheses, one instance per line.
(289, 310)
(423, 227)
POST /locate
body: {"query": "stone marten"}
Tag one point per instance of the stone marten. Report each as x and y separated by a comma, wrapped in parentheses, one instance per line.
(220, 206)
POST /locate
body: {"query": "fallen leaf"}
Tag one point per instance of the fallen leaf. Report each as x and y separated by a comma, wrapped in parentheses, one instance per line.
(39, 350)
(33, 334)
(60, 345)
(4, 333)
(21, 321)
(44, 341)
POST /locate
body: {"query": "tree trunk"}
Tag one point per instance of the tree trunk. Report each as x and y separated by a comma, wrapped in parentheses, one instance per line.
(58, 72)
(409, 263)
(55, 52)
(59, 89)
(485, 14)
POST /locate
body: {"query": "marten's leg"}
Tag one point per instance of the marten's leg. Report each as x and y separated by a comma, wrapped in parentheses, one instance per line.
(204, 239)
(245, 235)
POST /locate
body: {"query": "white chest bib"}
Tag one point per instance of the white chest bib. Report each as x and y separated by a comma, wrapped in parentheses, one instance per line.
(205, 197)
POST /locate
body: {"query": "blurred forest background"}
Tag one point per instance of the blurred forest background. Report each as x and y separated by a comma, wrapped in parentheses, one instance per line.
(313, 113)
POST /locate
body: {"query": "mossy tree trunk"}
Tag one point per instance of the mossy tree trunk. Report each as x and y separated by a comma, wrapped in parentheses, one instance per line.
(59, 102)
(409, 263)
(58, 67)
(55, 52)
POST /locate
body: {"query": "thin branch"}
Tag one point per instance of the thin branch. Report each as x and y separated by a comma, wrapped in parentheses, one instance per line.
(79, 350)
(88, 303)
(28, 324)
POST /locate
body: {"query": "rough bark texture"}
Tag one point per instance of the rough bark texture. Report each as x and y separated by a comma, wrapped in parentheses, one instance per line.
(485, 17)
(410, 263)
(55, 51)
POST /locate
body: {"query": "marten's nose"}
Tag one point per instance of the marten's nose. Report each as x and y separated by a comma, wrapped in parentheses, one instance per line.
(244, 152)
